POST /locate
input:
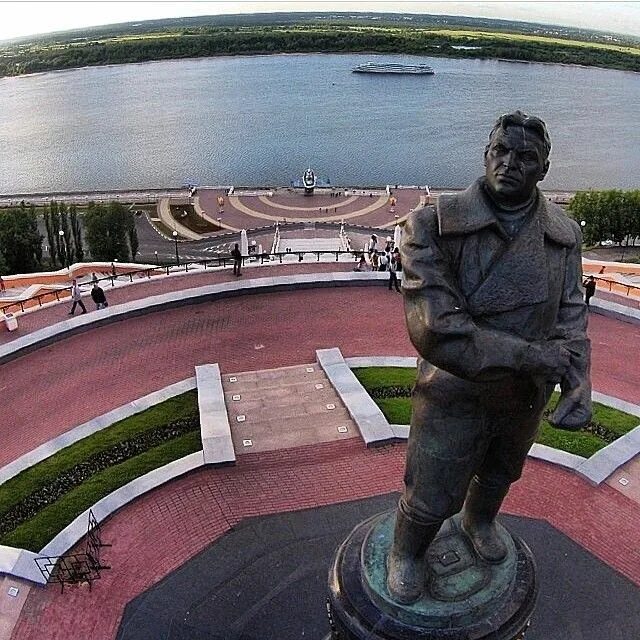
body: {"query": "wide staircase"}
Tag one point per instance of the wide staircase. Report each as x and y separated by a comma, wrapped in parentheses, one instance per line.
(283, 408)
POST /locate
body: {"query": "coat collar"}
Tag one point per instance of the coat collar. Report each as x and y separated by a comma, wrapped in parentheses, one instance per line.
(469, 211)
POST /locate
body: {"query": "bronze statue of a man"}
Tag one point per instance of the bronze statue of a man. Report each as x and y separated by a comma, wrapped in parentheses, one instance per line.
(494, 308)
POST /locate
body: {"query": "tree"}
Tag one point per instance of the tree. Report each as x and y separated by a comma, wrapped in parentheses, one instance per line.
(66, 237)
(133, 237)
(55, 227)
(608, 215)
(106, 231)
(20, 240)
(76, 233)
(53, 254)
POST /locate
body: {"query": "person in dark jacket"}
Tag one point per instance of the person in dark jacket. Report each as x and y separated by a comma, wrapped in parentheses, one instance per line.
(589, 289)
(491, 283)
(97, 295)
(237, 260)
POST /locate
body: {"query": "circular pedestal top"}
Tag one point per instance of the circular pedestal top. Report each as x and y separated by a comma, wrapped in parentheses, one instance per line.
(460, 586)
(466, 598)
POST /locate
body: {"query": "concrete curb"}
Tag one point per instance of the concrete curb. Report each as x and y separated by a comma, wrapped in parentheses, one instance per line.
(595, 469)
(20, 563)
(372, 424)
(382, 361)
(80, 324)
(82, 431)
(606, 461)
(214, 420)
(615, 310)
(173, 299)
(119, 498)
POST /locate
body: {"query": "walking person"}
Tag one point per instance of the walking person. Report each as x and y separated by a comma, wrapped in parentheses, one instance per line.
(97, 295)
(371, 245)
(237, 260)
(589, 289)
(76, 296)
(394, 267)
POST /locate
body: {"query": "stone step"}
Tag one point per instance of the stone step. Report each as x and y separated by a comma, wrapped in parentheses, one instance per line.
(283, 396)
(268, 435)
(298, 372)
(301, 410)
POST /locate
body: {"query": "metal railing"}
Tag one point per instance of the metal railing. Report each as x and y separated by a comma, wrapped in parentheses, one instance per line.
(64, 293)
(629, 287)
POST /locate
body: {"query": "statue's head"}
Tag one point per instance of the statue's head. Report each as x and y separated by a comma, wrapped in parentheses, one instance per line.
(517, 157)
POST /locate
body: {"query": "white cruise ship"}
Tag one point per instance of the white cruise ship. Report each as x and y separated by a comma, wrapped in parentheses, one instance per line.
(393, 67)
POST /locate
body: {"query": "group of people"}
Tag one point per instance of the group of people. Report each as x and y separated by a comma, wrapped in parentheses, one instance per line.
(97, 295)
(387, 260)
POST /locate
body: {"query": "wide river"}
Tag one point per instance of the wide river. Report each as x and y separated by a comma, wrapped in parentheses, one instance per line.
(262, 120)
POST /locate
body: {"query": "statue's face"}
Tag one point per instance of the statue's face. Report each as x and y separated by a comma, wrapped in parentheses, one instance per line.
(514, 163)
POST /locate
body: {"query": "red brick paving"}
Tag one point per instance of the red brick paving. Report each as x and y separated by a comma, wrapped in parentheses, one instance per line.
(147, 287)
(144, 287)
(161, 530)
(79, 378)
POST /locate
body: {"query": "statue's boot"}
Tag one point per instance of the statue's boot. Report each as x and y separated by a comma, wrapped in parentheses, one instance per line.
(479, 513)
(406, 563)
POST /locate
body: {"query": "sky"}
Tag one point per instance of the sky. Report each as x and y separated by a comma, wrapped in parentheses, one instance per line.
(43, 16)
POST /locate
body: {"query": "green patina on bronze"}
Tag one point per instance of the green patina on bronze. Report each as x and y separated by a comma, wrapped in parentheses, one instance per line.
(462, 587)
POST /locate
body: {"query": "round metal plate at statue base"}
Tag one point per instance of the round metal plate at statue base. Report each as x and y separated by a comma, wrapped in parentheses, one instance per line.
(465, 597)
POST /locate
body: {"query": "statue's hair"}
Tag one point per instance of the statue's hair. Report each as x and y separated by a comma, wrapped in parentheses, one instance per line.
(520, 119)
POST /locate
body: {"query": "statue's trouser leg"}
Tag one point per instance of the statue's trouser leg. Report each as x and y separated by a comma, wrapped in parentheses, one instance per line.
(503, 463)
(478, 520)
(405, 564)
(443, 453)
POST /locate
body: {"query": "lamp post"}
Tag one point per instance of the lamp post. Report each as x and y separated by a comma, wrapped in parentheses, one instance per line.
(156, 254)
(175, 239)
(63, 244)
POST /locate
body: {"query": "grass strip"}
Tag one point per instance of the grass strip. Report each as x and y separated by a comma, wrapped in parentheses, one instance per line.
(28, 481)
(388, 386)
(48, 471)
(35, 533)
(86, 469)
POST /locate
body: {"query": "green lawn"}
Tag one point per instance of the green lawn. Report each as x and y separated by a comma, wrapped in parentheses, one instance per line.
(397, 410)
(33, 534)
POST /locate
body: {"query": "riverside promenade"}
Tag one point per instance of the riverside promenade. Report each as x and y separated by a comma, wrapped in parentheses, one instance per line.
(56, 387)
(141, 196)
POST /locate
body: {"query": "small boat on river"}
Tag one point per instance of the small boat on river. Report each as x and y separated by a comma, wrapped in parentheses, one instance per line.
(394, 67)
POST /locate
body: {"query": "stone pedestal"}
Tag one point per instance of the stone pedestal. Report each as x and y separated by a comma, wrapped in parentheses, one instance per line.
(465, 598)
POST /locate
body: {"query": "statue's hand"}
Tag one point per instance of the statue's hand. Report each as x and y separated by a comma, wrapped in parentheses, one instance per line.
(548, 361)
(573, 410)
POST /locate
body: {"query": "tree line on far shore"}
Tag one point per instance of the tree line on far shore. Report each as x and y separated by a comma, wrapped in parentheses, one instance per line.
(108, 229)
(340, 38)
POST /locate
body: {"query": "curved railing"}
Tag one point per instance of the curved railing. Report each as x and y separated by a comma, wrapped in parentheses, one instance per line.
(628, 288)
(63, 293)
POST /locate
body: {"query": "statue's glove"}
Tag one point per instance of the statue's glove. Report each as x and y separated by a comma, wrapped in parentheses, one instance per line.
(547, 361)
(573, 410)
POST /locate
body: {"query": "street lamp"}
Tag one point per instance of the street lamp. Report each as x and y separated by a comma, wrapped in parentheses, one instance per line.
(156, 254)
(175, 239)
(63, 245)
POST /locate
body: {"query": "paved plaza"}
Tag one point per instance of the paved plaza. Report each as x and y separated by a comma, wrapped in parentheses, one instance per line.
(56, 387)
